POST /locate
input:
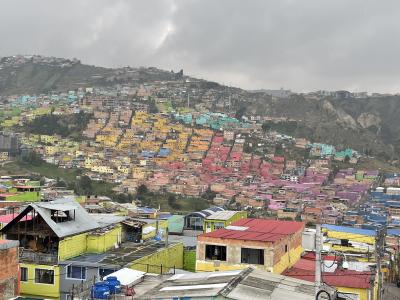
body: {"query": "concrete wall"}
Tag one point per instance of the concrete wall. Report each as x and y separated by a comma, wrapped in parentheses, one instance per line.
(89, 243)
(100, 243)
(277, 256)
(167, 257)
(72, 246)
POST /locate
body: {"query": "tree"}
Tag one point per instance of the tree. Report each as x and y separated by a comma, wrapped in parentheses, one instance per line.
(61, 183)
(141, 191)
(266, 126)
(347, 159)
(32, 158)
(209, 194)
(152, 106)
(172, 202)
(278, 149)
(83, 186)
(240, 112)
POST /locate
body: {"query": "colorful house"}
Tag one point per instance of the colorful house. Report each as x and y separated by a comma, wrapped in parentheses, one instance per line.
(222, 219)
(266, 244)
(53, 232)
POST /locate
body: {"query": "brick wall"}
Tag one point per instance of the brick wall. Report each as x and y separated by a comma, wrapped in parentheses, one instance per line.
(9, 271)
(8, 263)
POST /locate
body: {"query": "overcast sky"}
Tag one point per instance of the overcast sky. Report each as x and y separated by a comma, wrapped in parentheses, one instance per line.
(302, 45)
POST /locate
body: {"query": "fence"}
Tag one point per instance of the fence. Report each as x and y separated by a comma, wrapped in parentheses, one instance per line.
(37, 257)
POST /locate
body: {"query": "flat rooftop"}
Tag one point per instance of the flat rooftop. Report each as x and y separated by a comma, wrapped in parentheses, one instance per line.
(222, 215)
(126, 253)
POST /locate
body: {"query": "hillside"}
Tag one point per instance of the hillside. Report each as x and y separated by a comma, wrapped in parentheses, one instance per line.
(38, 74)
(369, 125)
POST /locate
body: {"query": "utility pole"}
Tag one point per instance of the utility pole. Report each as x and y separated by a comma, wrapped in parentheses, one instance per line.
(318, 258)
(379, 251)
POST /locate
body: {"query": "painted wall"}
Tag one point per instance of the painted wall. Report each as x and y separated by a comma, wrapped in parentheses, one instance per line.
(363, 293)
(30, 288)
(72, 246)
(209, 224)
(88, 243)
(100, 243)
(167, 257)
(288, 260)
(189, 260)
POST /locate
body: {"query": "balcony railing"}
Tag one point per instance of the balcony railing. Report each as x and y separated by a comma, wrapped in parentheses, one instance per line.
(37, 257)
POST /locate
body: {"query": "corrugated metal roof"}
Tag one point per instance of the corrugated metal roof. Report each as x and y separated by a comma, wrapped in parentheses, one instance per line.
(222, 215)
(244, 284)
(258, 230)
(81, 220)
(349, 229)
(340, 278)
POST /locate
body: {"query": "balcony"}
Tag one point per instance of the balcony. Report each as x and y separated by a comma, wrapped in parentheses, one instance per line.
(30, 256)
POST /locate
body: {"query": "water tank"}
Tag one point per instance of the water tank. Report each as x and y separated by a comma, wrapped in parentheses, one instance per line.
(114, 284)
(100, 290)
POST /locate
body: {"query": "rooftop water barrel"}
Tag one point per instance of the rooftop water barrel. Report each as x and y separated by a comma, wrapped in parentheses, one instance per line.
(114, 284)
(100, 290)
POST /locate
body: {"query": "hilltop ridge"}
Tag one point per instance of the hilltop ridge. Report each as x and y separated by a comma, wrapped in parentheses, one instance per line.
(369, 124)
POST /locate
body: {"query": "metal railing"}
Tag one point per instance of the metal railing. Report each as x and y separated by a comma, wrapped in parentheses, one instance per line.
(37, 257)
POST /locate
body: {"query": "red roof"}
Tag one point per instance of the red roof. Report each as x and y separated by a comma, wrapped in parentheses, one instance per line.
(339, 278)
(311, 256)
(258, 230)
(5, 219)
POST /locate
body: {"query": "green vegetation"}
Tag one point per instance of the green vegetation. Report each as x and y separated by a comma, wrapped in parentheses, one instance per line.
(170, 202)
(153, 109)
(64, 125)
(69, 178)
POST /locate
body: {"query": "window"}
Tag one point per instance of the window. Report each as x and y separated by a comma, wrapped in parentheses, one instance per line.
(105, 272)
(74, 272)
(215, 252)
(252, 256)
(286, 248)
(218, 225)
(24, 274)
(344, 242)
(44, 276)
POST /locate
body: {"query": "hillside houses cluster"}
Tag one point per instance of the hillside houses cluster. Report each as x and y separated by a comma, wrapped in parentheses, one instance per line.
(69, 245)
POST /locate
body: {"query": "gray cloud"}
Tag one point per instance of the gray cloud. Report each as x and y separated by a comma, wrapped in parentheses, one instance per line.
(303, 45)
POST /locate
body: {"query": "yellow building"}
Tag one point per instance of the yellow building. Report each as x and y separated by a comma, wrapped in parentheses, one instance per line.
(222, 219)
(53, 232)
